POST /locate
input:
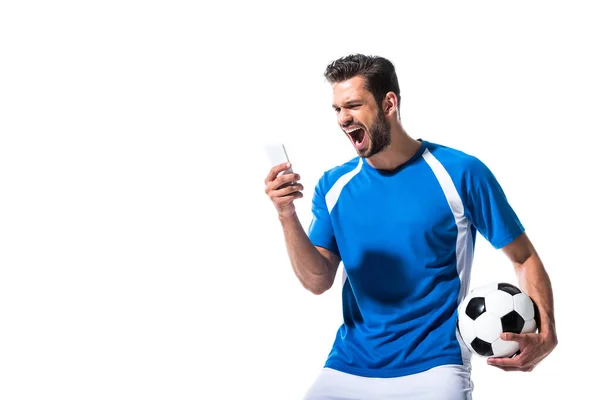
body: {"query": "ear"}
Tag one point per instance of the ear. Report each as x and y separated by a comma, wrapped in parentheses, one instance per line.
(390, 103)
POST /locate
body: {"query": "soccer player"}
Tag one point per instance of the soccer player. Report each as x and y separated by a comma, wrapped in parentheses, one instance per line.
(402, 216)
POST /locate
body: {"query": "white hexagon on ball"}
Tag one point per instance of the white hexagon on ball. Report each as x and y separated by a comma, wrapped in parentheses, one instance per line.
(499, 303)
(488, 327)
(504, 348)
(529, 327)
(524, 306)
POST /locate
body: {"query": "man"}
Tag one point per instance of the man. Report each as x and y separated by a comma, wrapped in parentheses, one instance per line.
(403, 217)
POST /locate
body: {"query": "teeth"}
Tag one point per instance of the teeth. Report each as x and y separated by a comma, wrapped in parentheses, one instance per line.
(352, 130)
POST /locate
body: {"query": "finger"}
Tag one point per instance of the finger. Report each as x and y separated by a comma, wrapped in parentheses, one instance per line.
(520, 338)
(286, 200)
(506, 362)
(279, 182)
(511, 337)
(502, 362)
(283, 180)
(521, 367)
(276, 170)
(286, 191)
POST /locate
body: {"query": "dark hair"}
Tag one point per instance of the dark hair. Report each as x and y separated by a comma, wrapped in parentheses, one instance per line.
(379, 74)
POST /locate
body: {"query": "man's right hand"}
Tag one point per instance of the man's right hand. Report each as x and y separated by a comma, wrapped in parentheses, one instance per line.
(281, 191)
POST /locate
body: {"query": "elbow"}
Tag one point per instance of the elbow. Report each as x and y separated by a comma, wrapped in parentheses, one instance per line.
(317, 290)
(317, 287)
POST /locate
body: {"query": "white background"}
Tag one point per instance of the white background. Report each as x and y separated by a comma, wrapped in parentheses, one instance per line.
(139, 255)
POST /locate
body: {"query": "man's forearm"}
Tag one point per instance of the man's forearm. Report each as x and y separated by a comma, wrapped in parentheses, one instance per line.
(311, 268)
(534, 280)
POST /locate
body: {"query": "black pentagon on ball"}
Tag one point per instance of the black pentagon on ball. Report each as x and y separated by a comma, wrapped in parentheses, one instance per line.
(482, 347)
(512, 322)
(508, 288)
(476, 307)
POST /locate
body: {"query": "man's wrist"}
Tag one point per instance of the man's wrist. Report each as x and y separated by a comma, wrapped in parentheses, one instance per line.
(286, 218)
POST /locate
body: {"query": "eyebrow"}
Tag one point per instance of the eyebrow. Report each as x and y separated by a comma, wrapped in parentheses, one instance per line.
(347, 103)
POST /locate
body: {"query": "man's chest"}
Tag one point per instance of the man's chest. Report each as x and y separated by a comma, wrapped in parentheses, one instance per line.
(402, 221)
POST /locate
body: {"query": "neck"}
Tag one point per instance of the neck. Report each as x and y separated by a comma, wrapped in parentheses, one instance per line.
(400, 150)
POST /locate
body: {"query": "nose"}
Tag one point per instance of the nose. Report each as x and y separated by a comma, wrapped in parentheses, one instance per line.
(344, 118)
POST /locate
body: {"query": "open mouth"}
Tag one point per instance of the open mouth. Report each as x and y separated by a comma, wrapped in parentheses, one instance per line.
(357, 135)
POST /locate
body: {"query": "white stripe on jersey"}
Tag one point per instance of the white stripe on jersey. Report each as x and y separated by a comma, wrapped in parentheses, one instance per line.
(464, 240)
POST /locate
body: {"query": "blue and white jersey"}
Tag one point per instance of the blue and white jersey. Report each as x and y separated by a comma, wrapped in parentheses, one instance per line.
(406, 240)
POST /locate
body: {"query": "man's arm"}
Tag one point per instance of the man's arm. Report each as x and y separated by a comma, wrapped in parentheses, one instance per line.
(314, 266)
(535, 282)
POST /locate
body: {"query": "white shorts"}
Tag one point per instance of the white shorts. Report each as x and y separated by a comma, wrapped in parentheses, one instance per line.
(447, 382)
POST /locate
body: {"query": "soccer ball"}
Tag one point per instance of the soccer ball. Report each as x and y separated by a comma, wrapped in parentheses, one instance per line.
(489, 310)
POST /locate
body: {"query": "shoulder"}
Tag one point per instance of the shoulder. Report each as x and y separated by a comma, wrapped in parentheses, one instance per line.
(458, 162)
(332, 175)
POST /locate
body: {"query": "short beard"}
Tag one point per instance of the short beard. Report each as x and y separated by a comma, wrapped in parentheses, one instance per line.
(380, 135)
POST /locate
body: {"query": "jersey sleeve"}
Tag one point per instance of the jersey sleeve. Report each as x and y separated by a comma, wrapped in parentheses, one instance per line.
(320, 231)
(488, 207)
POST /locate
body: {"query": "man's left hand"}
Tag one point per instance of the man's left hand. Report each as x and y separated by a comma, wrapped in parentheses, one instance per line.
(533, 348)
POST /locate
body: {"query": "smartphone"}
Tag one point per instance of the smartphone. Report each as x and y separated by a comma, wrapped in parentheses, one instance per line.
(278, 155)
